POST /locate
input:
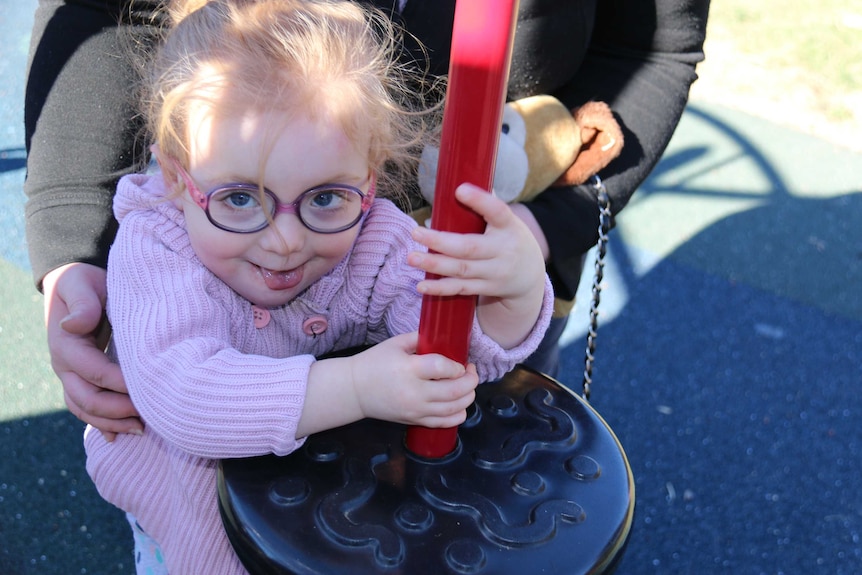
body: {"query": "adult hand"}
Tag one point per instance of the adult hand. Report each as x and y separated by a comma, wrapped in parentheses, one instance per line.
(78, 333)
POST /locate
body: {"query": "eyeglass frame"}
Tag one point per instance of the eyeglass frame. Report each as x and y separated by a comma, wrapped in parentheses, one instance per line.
(202, 199)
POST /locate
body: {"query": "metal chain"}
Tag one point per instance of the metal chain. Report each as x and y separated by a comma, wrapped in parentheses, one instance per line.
(601, 249)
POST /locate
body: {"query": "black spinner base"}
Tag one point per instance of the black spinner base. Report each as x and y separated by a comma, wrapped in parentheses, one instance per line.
(538, 484)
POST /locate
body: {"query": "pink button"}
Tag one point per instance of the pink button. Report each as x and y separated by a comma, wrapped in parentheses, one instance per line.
(315, 325)
(261, 316)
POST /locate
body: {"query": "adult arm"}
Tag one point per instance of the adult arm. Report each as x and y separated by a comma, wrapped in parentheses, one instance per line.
(80, 136)
(80, 131)
(641, 61)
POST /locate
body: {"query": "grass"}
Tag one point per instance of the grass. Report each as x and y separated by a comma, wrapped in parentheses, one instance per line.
(821, 37)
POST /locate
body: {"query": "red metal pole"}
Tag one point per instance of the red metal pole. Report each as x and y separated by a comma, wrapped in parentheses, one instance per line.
(478, 72)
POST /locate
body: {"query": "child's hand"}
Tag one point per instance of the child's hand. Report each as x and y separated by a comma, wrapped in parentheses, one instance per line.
(392, 383)
(504, 266)
(388, 382)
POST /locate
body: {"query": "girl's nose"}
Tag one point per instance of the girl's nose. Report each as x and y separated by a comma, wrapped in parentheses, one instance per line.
(286, 234)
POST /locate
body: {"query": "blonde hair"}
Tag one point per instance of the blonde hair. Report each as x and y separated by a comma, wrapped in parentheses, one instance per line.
(312, 57)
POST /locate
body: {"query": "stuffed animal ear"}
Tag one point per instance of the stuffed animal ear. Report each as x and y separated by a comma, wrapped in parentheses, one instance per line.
(602, 141)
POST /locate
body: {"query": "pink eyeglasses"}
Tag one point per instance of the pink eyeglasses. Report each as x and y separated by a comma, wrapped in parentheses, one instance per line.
(243, 209)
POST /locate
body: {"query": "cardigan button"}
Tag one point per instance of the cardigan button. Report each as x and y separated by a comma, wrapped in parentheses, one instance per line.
(315, 325)
(261, 316)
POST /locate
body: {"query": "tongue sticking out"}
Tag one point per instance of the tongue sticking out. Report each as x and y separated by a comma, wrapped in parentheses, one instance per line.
(280, 280)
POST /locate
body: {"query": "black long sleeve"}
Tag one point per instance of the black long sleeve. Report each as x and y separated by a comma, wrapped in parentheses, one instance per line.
(641, 61)
(80, 128)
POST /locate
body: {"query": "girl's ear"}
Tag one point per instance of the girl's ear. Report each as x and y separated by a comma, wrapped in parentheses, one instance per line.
(167, 167)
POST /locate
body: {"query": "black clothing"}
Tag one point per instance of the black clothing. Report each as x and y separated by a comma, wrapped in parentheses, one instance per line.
(637, 56)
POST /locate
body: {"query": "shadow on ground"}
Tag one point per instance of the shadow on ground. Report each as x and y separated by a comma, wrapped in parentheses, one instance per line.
(731, 374)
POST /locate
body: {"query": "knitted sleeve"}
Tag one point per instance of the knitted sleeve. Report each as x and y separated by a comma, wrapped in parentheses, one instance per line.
(493, 361)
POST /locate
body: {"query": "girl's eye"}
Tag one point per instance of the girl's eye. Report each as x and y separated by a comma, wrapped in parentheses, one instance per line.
(326, 200)
(238, 199)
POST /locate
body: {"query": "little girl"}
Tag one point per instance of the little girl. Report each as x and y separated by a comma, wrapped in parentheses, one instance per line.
(263, 243)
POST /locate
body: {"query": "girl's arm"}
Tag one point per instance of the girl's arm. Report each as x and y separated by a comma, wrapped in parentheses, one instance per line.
(173, 338)
(394, 305)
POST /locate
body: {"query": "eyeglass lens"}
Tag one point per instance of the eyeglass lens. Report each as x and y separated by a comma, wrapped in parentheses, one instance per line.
(327, 209)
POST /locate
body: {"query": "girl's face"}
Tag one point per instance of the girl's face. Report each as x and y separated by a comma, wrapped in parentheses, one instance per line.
(272, 266)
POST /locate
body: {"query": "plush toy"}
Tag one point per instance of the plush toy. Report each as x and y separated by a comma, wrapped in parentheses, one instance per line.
(542, 144)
